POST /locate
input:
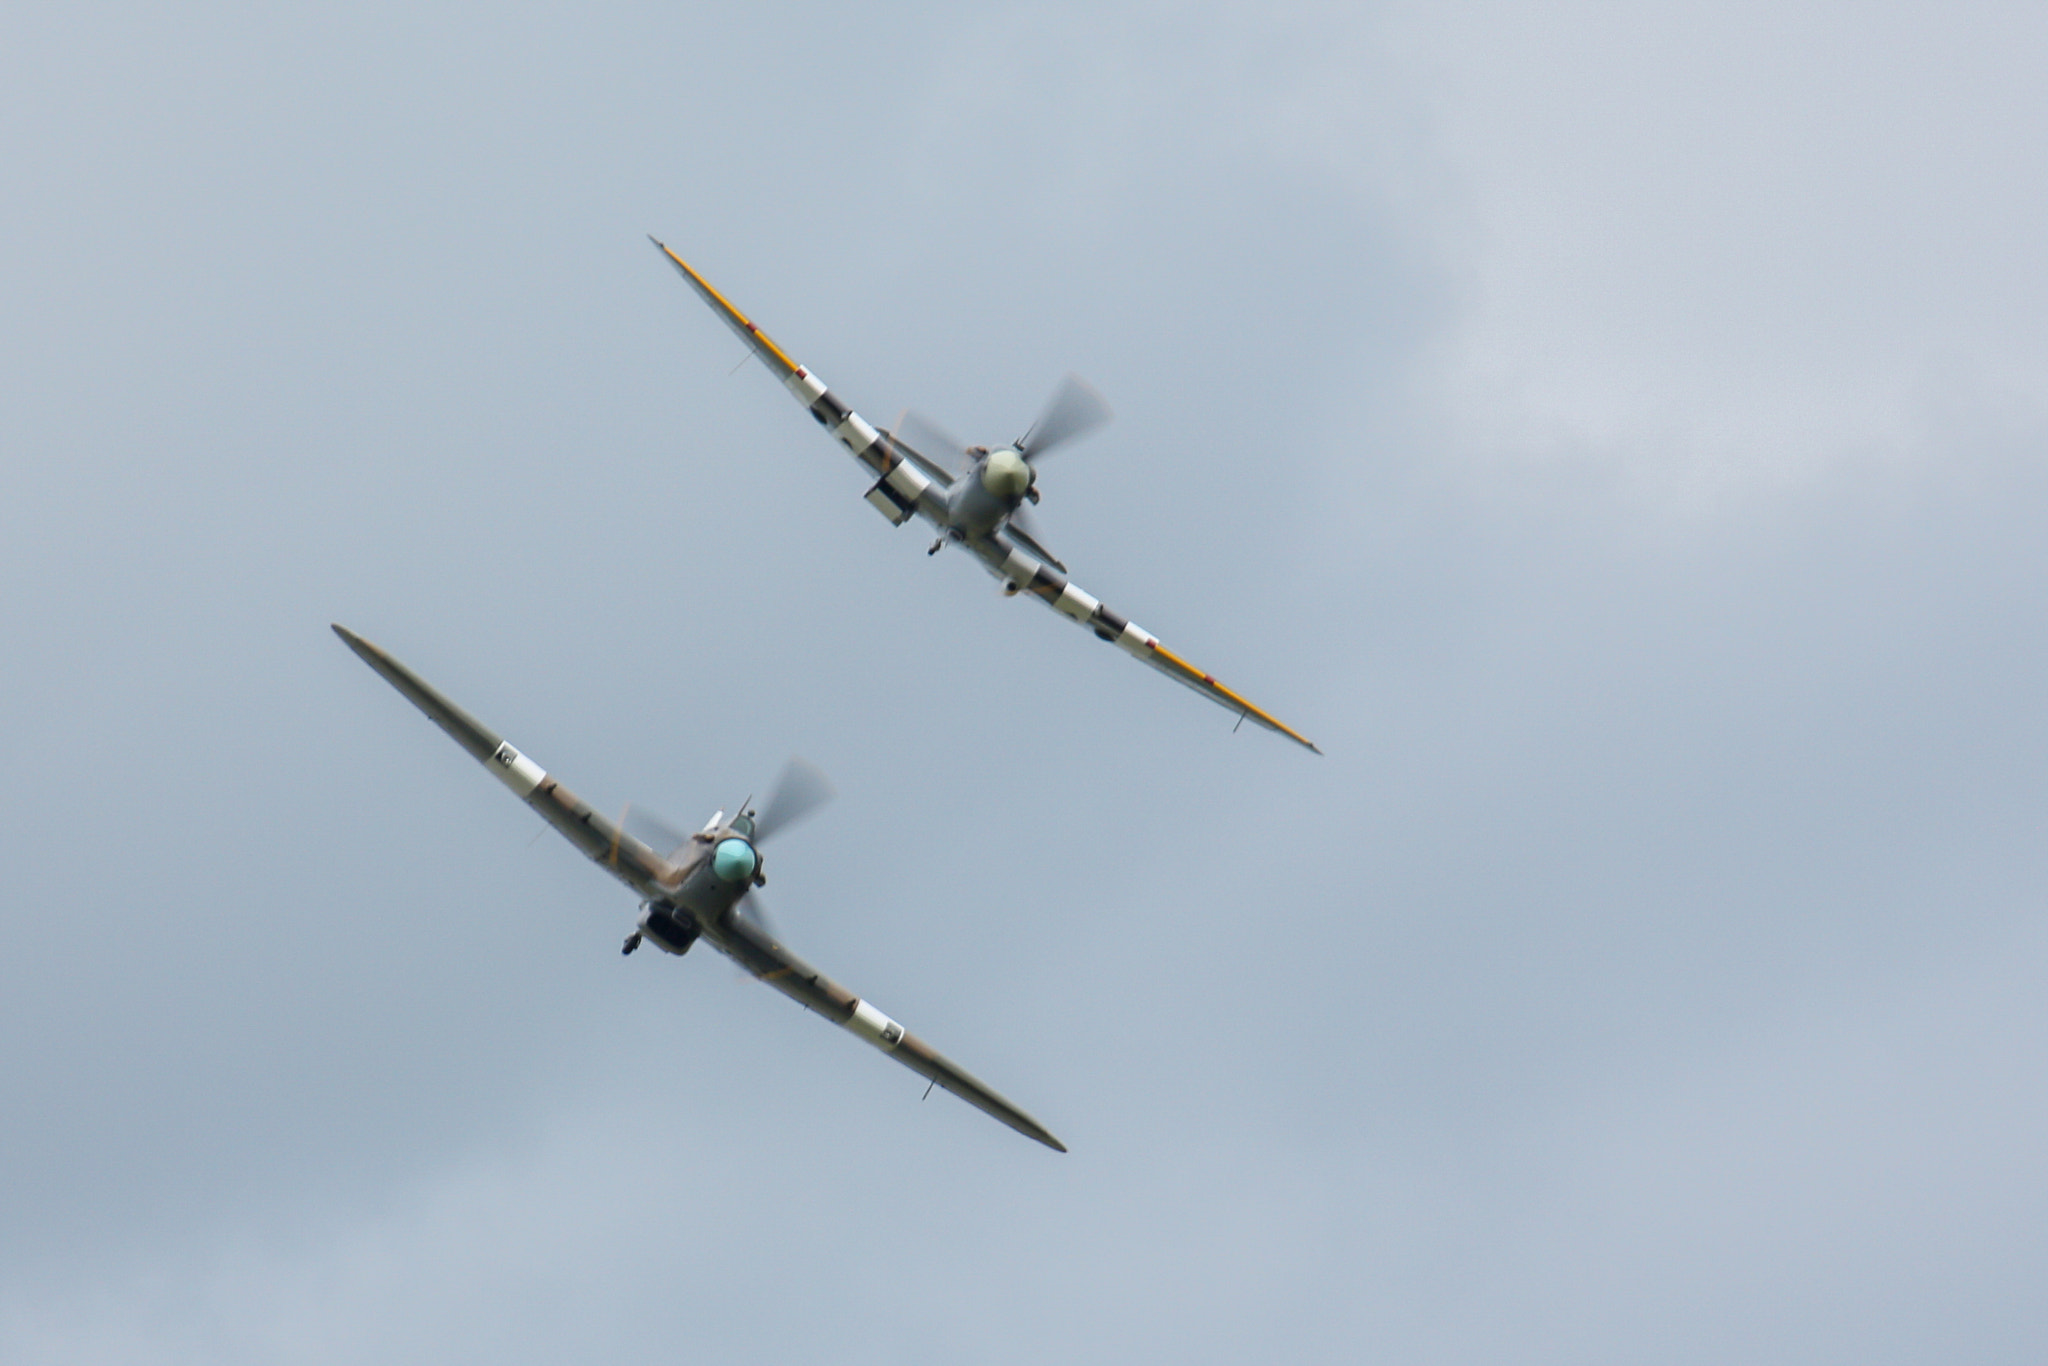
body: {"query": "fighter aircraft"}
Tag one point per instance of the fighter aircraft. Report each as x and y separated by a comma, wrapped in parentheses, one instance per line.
(979, 502)
(696, 887)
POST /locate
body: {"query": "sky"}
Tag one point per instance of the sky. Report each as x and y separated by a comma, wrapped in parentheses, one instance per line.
(1614, 433)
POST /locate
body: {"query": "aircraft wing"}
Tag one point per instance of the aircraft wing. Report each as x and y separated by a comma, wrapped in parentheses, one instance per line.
(904, 481)
(1022, 572)
(904, 485)
(760, 954)
(626, 858)
(633, 863)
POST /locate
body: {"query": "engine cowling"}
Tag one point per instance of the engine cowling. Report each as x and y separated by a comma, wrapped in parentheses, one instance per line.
(1006, 475)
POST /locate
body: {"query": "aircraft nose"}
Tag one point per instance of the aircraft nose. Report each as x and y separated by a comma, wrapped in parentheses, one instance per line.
(734, 860)
(1005, 474)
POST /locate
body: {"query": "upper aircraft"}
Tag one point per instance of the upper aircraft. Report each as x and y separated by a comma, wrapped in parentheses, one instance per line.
(979, 502)
(696, 886)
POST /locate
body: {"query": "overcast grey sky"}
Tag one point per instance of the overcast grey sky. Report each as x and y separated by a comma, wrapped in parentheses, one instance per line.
(1615, 433)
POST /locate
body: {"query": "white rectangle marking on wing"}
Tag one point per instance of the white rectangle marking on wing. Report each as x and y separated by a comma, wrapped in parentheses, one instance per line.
(807, 387)
(877, 1028)
(1072, 602)
(856, 433)
(1136, 639)
(908, 480)
(516, 771)
(1019, 568)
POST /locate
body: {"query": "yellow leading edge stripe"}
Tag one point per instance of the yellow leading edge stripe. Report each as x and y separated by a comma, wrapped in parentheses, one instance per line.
(1241, 703)
(1236, 700)
(742, 319)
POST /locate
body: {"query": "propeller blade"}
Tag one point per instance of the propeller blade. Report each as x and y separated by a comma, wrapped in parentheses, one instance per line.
(1024, 529)
(802, 789)
(654, 832)
(931, 441)
(755, 912)
(1074, 410)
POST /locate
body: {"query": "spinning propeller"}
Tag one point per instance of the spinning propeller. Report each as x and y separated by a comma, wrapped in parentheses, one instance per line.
(1074, 410)
(799, 790)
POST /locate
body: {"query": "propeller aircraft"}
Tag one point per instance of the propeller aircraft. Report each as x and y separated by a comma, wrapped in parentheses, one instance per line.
(978, 503)
(696, 886)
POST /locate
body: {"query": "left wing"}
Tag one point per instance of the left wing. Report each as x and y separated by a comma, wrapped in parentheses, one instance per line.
(759, 953)
(903, 487)
(1021, 572)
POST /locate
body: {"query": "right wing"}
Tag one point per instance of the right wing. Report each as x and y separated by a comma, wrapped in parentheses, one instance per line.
(590, 830)
(905, 481)
(760, 954)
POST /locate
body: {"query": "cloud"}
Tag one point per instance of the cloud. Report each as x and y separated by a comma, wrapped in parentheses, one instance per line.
(1736, 242)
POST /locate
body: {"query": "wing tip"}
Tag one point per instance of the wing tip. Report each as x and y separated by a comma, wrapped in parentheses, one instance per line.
(1033, 1130)
(354, 641)
(1279, 727)
(669, 252)
(1291, 733)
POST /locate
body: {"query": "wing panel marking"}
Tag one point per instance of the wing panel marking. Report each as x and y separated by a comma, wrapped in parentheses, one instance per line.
(877, 1028)
(807, 387)
(907, 479)
(1136, 639)
(1075, 604)
(856, 433)
(515, 770)
(1020, 568)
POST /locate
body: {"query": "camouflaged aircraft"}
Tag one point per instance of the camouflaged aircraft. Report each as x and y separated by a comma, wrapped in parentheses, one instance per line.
(695, 886)
(979, 502)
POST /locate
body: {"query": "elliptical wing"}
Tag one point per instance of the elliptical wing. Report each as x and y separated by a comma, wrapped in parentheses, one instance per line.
(902, 487)
(1023, 572)
(910, 488)
(760, 954)
(600, 839)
